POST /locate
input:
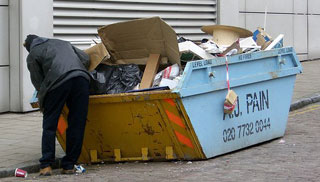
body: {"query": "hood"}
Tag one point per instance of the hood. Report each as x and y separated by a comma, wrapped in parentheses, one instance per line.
(37, 41)
(29, 40)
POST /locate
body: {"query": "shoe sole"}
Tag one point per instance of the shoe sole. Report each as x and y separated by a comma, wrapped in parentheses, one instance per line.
(68, 172)
(46, 174)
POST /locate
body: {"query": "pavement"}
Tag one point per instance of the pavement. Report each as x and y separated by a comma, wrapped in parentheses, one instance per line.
(20, 138)
(295, 157)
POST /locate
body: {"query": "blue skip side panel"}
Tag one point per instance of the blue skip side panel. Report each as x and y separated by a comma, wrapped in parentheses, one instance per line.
(264, 83)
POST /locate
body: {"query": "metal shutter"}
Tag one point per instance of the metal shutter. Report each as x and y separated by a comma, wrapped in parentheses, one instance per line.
(77, 21)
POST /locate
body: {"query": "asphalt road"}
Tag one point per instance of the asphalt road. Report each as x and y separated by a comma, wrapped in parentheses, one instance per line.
(295, 157)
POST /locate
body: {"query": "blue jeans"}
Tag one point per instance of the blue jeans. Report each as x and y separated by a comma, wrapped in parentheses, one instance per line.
(75, 93)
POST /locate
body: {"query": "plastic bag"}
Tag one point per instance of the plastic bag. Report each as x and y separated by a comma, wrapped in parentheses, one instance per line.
(100, 78)
(169, 73)
(114, 79)
(125, 77)
(210, 46)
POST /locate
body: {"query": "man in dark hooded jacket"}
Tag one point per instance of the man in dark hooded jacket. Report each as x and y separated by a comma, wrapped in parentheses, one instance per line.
(59, 73)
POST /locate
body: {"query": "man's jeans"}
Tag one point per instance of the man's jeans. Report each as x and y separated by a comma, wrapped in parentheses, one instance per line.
(75, 93)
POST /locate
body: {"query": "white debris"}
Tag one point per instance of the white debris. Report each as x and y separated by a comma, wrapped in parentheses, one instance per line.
(282, 141)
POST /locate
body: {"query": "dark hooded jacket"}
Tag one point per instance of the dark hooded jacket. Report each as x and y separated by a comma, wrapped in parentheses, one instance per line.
(51, 62)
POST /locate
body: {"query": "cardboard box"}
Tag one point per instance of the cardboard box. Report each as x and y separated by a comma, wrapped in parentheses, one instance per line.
(230, 102)
(262, 38)
(97, 53)
(135, 40)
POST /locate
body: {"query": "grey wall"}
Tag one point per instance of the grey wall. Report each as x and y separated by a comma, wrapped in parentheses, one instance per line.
(313, 29)
(26, 17)
(296, 19)
(228, 12)
(4, 56)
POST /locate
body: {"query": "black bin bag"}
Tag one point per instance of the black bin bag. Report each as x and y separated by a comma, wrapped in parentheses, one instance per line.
(108, 79)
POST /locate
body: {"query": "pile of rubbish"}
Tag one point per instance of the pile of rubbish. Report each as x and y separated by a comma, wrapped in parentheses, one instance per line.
(145, 54)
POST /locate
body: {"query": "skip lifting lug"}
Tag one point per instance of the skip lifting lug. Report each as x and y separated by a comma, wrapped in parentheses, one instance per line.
(211, 73)
(281, 60)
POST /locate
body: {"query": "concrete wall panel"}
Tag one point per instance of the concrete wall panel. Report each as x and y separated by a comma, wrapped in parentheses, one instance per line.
(242, 20)
(300, 33)
(289, 17)
(26, 17)
(228, 12)
(275, 25)
(300, 6)
(3, 2)
(4, 34)
(283, 6)
(314, 38)
(36, 20)
(314, 7)
(242, 5)
(4, 87)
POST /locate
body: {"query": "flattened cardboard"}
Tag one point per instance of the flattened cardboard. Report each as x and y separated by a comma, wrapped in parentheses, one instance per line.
(142, 61)
(235, 45)
(137, 39)
(97, 54)
(150, 71)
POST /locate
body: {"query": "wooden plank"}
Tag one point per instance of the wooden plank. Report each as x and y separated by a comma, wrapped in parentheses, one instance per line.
(150, 71)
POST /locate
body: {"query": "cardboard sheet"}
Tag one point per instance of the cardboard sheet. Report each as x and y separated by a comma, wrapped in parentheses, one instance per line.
(137, 39)
(97, 54)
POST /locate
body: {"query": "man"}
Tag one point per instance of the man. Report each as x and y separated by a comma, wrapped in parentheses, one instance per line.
(59, 73)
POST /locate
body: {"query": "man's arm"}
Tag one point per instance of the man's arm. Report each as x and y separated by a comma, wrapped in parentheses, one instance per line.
(36, 72)
(84, 57)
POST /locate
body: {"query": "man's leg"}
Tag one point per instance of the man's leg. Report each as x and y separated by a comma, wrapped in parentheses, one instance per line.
(77, 103)
(53, 104)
